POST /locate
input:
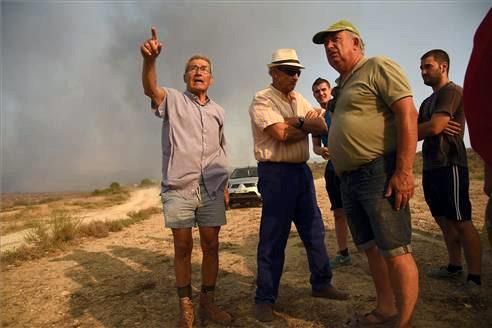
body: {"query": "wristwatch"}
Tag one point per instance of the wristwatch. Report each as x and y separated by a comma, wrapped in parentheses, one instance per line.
(301, 122)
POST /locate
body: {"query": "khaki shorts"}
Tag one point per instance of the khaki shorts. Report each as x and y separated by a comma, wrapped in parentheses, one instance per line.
(199, 209)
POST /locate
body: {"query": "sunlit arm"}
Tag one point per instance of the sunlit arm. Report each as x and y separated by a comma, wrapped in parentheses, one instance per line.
(317, 149)
(401, 184)
(149, 82)
(315, 123)
(285, 131)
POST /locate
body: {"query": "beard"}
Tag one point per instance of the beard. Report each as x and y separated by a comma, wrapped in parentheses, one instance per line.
(430, 81)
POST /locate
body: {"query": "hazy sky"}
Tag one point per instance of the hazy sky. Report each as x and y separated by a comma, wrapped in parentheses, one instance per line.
(73, 113)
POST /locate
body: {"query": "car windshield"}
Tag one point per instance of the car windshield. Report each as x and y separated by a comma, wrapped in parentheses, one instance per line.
(244, 172)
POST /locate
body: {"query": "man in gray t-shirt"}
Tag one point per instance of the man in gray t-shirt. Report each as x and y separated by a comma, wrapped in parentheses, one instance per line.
(445, 170)
(194, 175)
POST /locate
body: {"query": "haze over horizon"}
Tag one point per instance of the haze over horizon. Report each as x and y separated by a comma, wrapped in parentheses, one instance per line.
(73, 112)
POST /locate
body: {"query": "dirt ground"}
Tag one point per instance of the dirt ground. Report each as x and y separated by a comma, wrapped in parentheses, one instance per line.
(127, 279)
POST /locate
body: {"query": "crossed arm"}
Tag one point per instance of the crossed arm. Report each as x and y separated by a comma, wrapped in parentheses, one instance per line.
(288, 132)
(439, 123)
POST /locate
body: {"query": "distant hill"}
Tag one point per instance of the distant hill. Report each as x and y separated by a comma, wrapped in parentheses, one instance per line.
(475, 166)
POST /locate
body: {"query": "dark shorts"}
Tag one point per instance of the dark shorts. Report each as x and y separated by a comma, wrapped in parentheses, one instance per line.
(370, 215)
(446, 192)
(333, 187)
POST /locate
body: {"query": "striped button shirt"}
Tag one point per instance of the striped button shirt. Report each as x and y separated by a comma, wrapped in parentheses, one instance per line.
(193, 144)
(270, 106)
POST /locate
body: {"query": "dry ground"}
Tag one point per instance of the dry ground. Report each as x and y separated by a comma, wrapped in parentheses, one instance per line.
(127, 279)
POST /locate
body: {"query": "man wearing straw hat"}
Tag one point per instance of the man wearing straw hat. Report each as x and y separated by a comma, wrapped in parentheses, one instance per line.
(372, 143)
(281, 120)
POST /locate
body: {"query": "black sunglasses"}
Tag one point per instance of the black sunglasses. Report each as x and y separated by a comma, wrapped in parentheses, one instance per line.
(290, 71)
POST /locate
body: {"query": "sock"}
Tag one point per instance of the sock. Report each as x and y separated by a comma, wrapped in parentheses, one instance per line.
(344, 252)
(206, 289)
(184, 291)
(475, 278)
(454, 268)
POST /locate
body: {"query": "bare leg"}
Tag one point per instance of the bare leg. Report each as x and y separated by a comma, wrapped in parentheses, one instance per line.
(209, 240)
(405, 282)
(341, 228)
(471, 244)
(385, 297)
(183, 245)
(452, 240)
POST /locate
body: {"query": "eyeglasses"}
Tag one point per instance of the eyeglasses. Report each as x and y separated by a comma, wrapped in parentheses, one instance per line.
(335, 92)
(290, 71)
(200, 69)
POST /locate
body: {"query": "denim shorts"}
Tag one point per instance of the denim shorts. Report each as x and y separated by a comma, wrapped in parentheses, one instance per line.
(370, 215)
(333, 187)
(198, 209)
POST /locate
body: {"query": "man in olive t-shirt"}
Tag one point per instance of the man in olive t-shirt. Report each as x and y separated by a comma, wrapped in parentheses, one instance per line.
(372, 141)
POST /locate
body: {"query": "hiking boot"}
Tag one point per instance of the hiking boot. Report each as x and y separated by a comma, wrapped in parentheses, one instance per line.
(331, 292)
(341, 260)
(469, 288)
(208, 310)
(443, 273)
(186, 314)
(264, 312)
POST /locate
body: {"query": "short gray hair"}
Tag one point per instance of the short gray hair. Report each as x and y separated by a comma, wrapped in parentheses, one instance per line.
(198, 56)
(361, 42)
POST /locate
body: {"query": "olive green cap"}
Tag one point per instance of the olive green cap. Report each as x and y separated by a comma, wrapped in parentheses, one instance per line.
(341, 25)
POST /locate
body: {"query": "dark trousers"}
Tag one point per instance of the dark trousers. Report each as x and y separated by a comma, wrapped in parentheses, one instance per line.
(288, 196)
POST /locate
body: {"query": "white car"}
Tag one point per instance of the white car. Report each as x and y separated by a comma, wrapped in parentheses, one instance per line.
(243, 187)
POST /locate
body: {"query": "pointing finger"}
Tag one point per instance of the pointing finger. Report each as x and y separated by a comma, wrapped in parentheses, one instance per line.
(154, 33)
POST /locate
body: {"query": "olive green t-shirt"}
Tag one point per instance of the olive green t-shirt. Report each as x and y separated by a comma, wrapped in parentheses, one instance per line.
(363, 125)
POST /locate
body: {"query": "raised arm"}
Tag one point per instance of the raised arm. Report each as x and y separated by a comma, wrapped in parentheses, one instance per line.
(150, 50)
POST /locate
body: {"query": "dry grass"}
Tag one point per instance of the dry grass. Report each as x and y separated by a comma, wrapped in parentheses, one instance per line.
(15, 217)
(64, 228)
(60, 229)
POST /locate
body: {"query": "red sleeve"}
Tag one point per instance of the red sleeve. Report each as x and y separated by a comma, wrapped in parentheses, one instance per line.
(477, 89)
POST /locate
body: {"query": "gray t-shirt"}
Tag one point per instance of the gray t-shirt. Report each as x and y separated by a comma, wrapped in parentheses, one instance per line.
(193, 144)
(444, 150)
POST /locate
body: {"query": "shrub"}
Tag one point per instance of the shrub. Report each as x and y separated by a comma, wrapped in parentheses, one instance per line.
(115, 225)
(146, 183)
(114, 186)
(143, 214)
(98, 229)
(97, 192)
(61, 228)
(39, 236)
(64, 227)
